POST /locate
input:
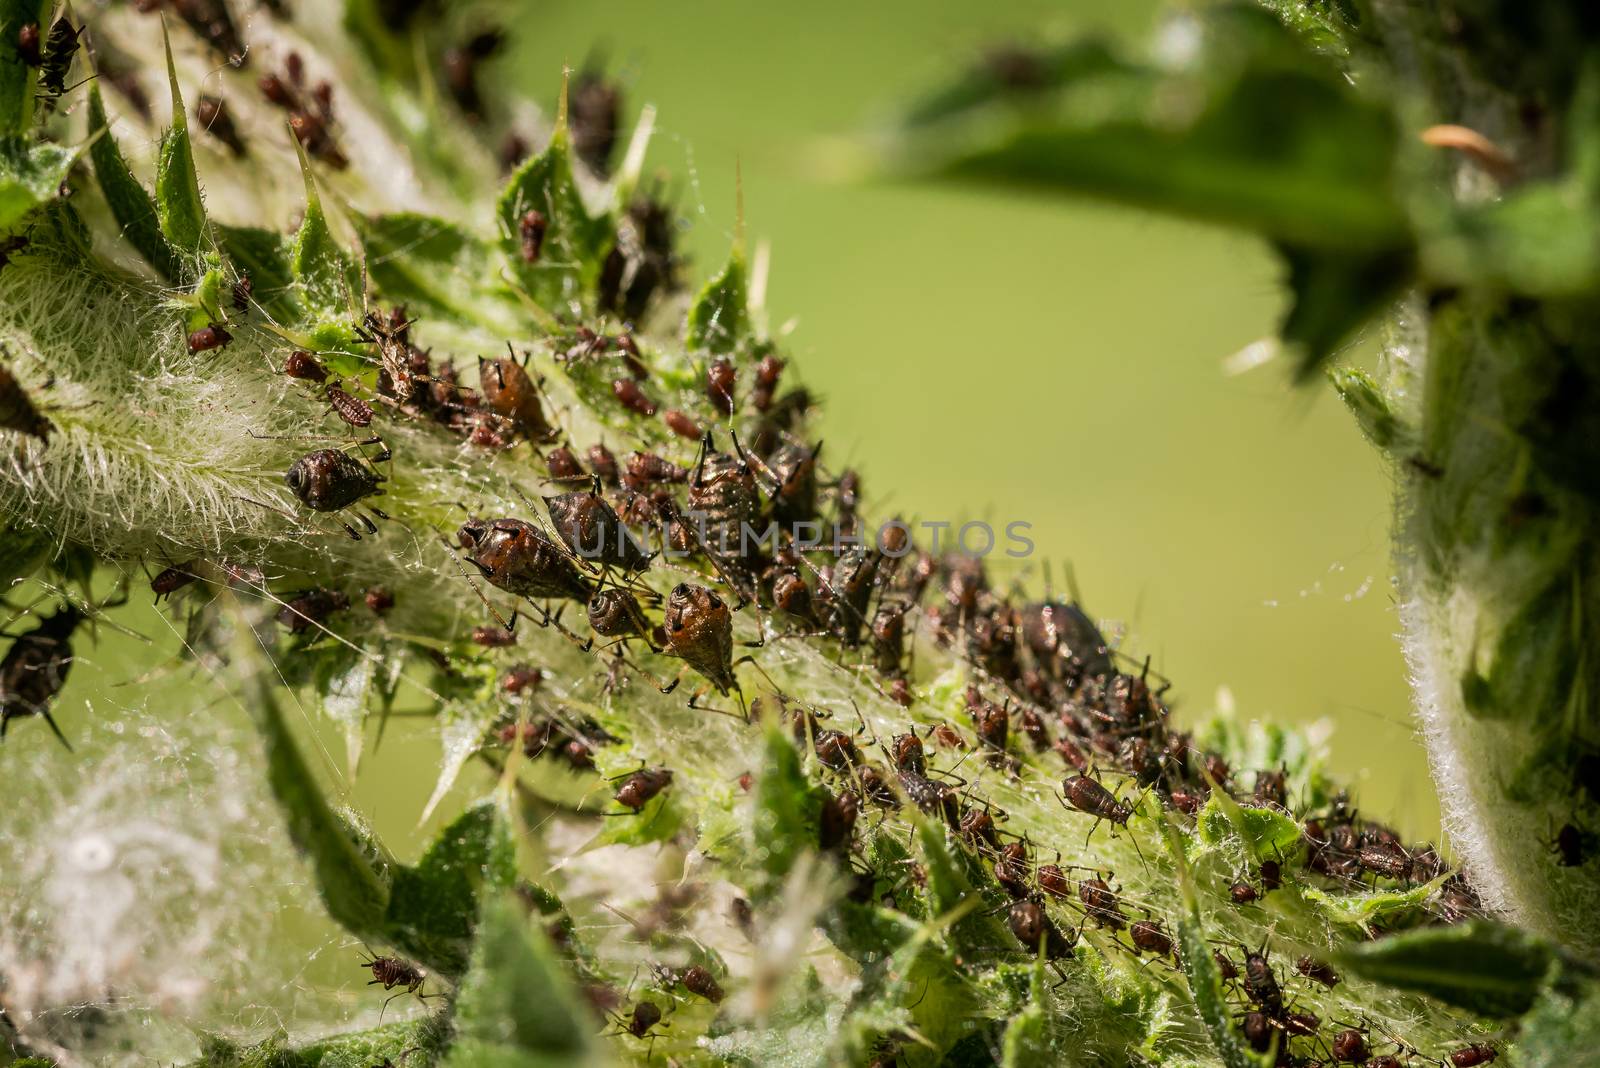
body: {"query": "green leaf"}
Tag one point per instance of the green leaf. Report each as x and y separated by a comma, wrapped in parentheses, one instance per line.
(131, 204)
(1027, 1042)
(1268, 833)
(1366, 401)
(719, 318)
(432, 266)
(434, 905)
(321, 269)
(411, 1043)
(1562, 1028)
(30, 176)
(1366, 910)
(354, 875)
(1252, 131)
(784, 819)
(516, 1006)
(574, 244)
(264, 256)
(17, 78)
(1480, 966)
(179, 207)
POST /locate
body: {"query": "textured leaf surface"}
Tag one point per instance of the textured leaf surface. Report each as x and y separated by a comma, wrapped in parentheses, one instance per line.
(131, 204)
(179, 206)
(574, 241)
(29, 177)
(436, 267)
(1481, 966)
(321, 268)
(719, 318)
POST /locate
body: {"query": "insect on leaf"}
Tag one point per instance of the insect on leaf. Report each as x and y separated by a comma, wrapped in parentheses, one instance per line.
(16, 78)
(435, 267)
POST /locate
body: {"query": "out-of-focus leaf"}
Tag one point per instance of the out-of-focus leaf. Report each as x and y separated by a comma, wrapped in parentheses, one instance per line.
(784, 820)
(179, 207)
(131, 204)
(574, 244)
(30, 175)
(1362, 395)
(1026, 1043)
(952, 886)
(1480, 966)
(411, 1042)
(516, 1006)
(322, 270)
(719, 318)
(433, 266)
(1563, 1027)
(1365, 910)
(354, 875)
(17, 78)
(433, 906)
(1242, 125)
(1268, 833)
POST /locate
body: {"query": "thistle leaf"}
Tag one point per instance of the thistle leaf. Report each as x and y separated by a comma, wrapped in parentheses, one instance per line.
(719, 318)
(30, 176)
(574, 243)
(434, 905)
(1480, 966)
(264, 256)
(322, 271)
(435, 267)
(131, 204)
(179, 206)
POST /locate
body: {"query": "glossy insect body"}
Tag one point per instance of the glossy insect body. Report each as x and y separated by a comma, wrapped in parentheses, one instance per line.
(328, 480)
(909, 754)
(1243, 893)
(1261, 984)
(35, 668)
(530, 235)
(301, 364)
(1011, 870)
(978, 828)
(1031, 926)
(722, 492)
(1065, 641)
(615, 613)
(1473, 1055)
(848, 590)
(1257, 1028)
(1349, 1046)
(720, 380)
(1386, 859)
(638, 789)
(308, 608)
(1318, 971)
(209, 337)
(837, 820)
(28, 44)
(699, 980)
(1086, 795)
(1053, 881)
(588, 526)
(60, 47)
(630, 396)
(516, 557)
(510, 391)
(645, 1016)
(1102, 903)
(1149, 937)
(17, 411)
(172, 580)
(699, 629)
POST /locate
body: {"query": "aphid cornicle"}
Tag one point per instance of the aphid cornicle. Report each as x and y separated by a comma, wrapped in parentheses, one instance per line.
(699, 630)
(17, 411)
(1031, 926)
(329, 480)
(589, 527)
(639, 788)
(35, 668)
(517, 557)
(305, 609)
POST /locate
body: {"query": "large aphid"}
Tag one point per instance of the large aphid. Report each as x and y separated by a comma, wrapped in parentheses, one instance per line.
(699, 630)
(35, 668)
(517, 557)
(589, 527)
(723, 497)
(330, 480)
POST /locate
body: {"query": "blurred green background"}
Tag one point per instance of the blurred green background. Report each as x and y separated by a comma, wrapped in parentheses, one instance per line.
(1011, 358)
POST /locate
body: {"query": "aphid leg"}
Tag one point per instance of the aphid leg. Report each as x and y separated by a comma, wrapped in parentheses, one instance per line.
(673, 685)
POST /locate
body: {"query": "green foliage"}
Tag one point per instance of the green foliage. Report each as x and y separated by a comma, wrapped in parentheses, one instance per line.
(575, 241)
(323, 273)
(16, 78)
(130, 203)
(719, 318)
(179, 206)
(1481, 966)
(30, 175)
(437, 268)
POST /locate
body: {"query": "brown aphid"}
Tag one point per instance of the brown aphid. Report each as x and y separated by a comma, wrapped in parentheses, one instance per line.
(835, 749)
(875, 787)
(56, 61)
(28, 44)
(521, 679)
(790, 594)
(530, 234)
(631, 356)
(645, 1015)
(379, 600)
(1569, 846)
(1011, 869)
(211, 22)
(979, 830)
(1271, 875)
(1270, 788)
(1243, 893)
(615, 613)
(390, 972)
(305, 609)
(313, 131)
(643, 470)
(603, 464)
(1300, 1024)
(948, 736)
(351, 409)
(589, 527)
(682, 424)
(889, 638)
(1473, 1055)
(1225, 967)
(699, 980)
(1149, 937)
(511, 393)
(243, 289)
(328, 480)
(768, 372)
(908, 753)
(1258, 1030)
(594, 105)
(1102, 903)
(1261, 984)
(495, 637)
(212, 114)
(302, 365)
(517, 557)
(639, 788)
(35, 669)
(630, 396)
(1385, 859)
(699, 629)
(400, 376)
(900, 692)
(485, 436)
(1186, 801)
(17, 410)
(837, 820)
(173, 579)
(1349, 1046)
(461, 70)
(1086, 795)
(1032, 927)
(1318, 971)
(562, 465)
(209, 337)
(720, 380)
(1053, 881)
